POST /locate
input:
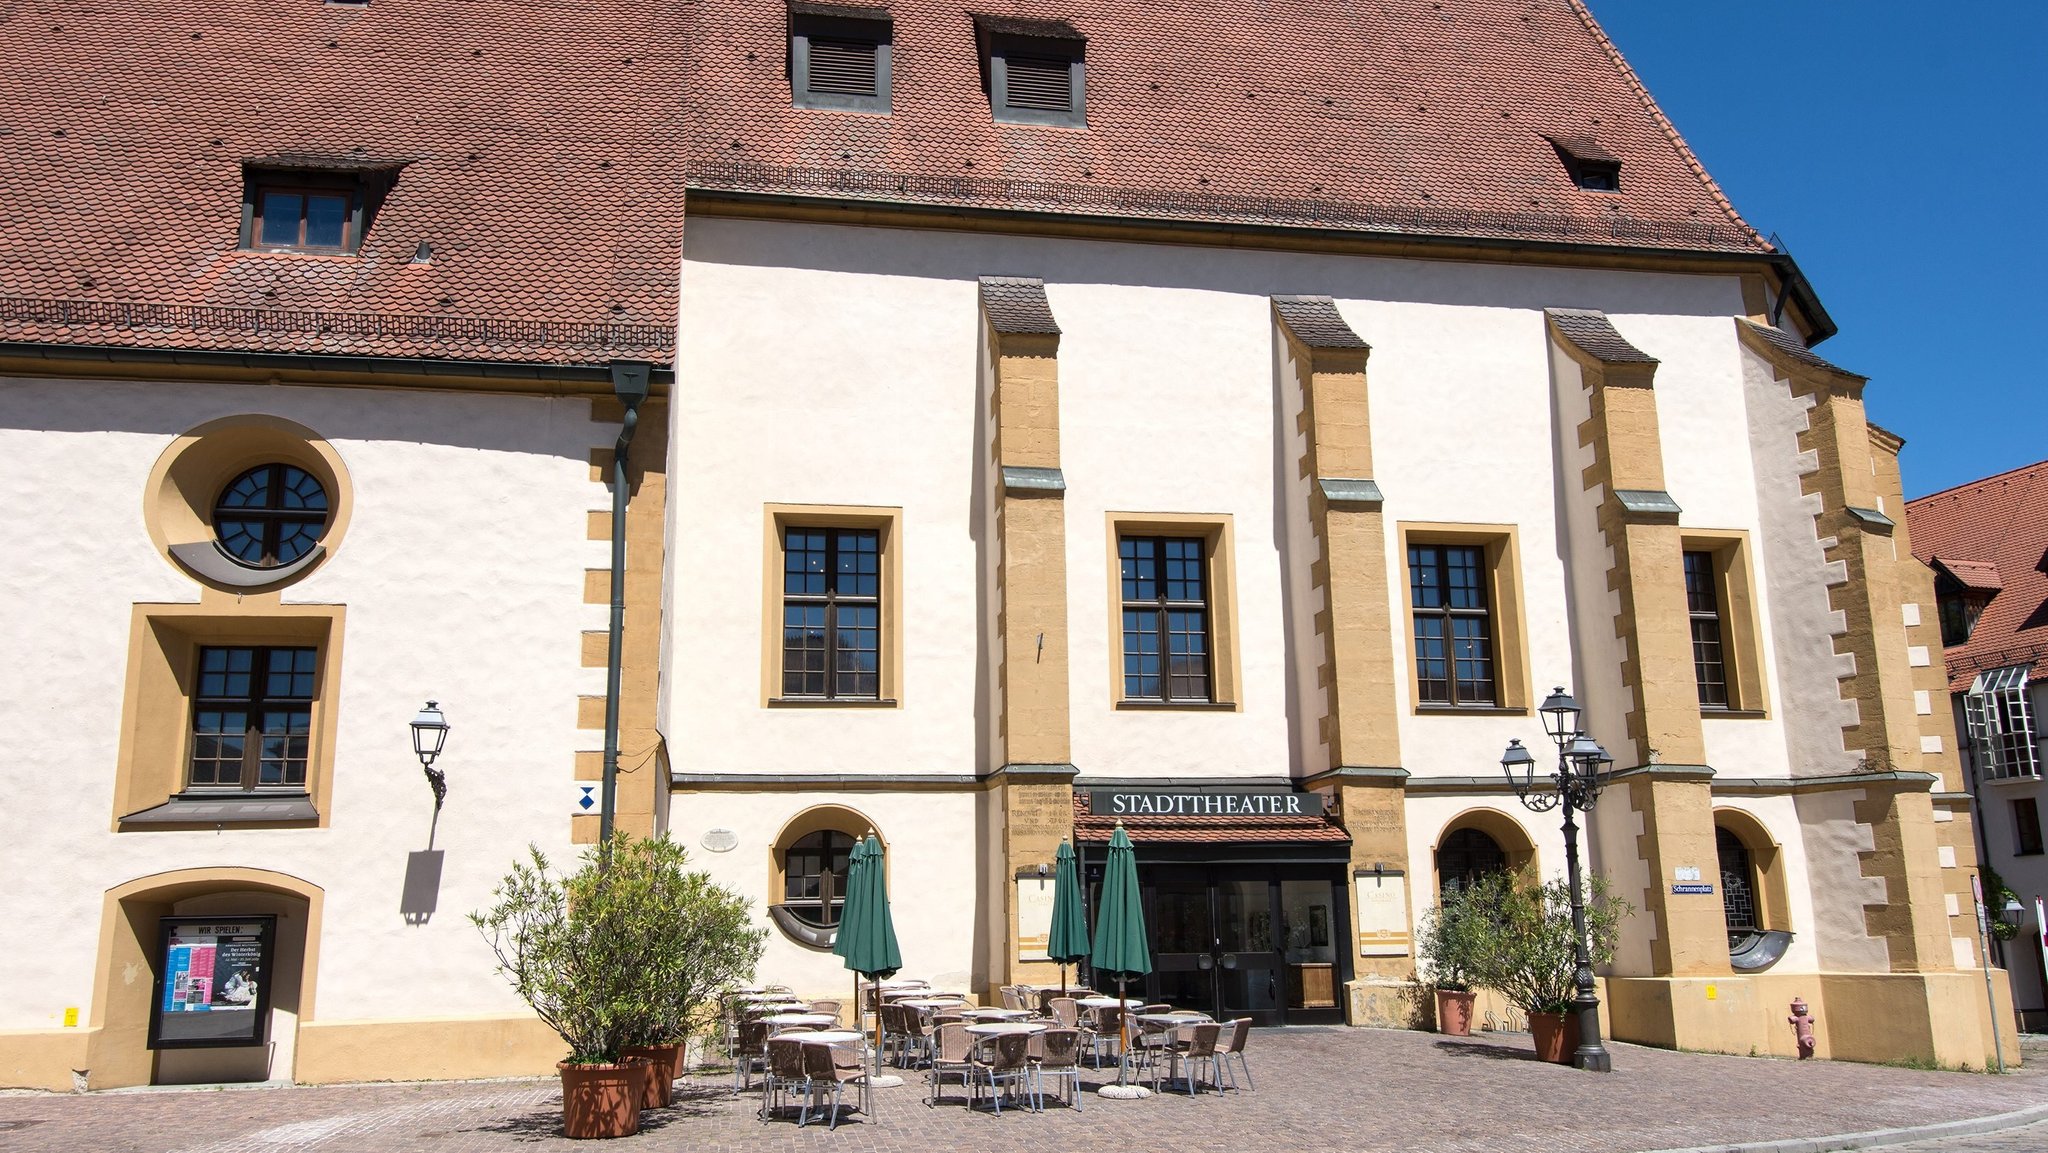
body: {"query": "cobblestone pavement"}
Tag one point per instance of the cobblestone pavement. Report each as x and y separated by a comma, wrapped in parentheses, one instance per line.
(1335, 1089)
(2028, 1139)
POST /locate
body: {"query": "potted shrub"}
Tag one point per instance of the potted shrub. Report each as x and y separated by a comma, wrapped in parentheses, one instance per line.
(1449, 951)
(1523, 932)
(609, 957)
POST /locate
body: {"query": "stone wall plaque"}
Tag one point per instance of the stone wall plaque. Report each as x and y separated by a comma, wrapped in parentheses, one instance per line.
(1382, 914)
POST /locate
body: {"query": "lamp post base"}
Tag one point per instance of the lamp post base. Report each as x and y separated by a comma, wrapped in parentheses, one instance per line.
(1596, 1060)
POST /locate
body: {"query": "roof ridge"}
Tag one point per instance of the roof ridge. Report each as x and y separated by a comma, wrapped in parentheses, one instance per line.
(1685, 152)
(1954, 488)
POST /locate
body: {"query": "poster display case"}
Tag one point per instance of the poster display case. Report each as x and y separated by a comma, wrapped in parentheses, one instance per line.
(212, 982)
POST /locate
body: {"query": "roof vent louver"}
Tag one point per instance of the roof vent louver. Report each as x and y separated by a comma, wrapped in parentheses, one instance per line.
(843, 67)
(1040, 84)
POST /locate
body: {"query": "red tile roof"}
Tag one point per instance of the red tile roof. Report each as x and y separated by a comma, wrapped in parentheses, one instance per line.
(1408, 116)
(1205, 830)
(531, 138)
(2002, 519)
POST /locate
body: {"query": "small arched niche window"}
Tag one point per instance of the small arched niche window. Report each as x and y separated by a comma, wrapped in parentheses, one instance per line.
(814, 877)
(1465, 856)
(1738, 886)
(270, 515)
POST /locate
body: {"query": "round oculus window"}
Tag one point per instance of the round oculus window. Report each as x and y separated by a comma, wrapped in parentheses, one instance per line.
(270, 516)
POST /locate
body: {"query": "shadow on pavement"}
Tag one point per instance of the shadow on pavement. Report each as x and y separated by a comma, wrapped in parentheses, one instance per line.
(1482, 1049)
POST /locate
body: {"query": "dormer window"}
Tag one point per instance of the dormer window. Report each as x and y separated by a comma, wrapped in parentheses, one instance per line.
(1035, 70)
(1962, 590)
(839, 57)
(1590, 166)
(290, 213)
(305, 202)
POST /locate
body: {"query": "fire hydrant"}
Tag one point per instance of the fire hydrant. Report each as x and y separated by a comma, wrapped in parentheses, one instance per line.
(1802, 1026)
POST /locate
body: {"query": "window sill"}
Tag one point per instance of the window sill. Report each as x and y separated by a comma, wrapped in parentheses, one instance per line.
(1144, 706)
(1711, 713)
(228, 808)
(1471, 711)
(831, 703)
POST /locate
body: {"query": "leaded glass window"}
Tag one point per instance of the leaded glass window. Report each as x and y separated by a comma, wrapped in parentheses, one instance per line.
(1466, 856)
(1738, 885)
(1453, 623)
(271, 515)
(1165, 618)
(252, 717)
(832, 613)
(1703, 603)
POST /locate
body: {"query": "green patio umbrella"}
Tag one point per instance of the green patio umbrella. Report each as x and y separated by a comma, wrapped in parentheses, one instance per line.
(866, 941)
(1068, 941)
(1120, 928)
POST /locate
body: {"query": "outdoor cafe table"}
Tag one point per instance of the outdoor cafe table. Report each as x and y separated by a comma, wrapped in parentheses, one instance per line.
(996, 1014)
(933, 1002)
(827, 1037)
(800, 1019)
(761, 1008)
(998, 1028)
(1176, 1017)
(906, 983)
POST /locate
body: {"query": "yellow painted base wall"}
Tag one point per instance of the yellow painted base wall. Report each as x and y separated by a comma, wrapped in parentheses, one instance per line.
(1921, 1017)
(42, 1058)
(433, 1049)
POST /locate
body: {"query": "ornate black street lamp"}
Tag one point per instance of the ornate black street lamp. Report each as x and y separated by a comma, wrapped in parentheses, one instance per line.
(429, 733)
(1575, 785)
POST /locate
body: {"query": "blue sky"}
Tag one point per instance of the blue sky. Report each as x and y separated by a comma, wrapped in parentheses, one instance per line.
(1898, 150)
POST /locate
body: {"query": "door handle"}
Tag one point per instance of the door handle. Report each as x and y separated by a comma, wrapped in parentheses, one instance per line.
(1230, 960)
(1205, 961)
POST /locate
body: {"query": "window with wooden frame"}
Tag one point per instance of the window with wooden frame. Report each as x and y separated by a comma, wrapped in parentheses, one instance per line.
(1703, 606)
(302, 211)
(252, 717)
(2026, 827)
(1036, 70)
(1721, 612)
(1452, 619)
(1467, 644)
(1165, 618)
(814, 876)
(1172, 612)
(839, 57)
(831, 613)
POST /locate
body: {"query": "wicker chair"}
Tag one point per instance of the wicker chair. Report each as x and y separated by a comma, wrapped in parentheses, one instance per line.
(785, 1072)
(1104, 1027)
(1056, 1055)
(748, 1050)
(952, 1053)
(1189, 1046)
(835, 1066)
(831, 1007)
(1004, 1059)
(1233, 1050)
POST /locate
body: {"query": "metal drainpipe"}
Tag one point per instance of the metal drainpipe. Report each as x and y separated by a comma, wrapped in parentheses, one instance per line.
(629, 384)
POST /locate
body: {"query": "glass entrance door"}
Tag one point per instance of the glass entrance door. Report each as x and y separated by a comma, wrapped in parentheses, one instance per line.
(1246, 941)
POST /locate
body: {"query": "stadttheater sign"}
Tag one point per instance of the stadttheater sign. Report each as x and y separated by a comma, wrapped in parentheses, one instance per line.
(1204, 803)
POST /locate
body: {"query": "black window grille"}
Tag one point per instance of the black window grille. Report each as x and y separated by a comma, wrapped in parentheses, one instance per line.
(252, 717)
(1709, 656)
(831, 613)
(1165, 618)
(1453, 622)
(1738, 885)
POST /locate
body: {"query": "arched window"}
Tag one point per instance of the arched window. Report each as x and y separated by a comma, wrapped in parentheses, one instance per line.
(814, 876)
(1465, 856)
(1738, 885)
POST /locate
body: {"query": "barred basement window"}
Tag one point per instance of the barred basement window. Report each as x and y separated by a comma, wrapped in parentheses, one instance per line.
(839, 57)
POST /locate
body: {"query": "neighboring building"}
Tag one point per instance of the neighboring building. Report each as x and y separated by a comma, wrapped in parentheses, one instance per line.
(343, 289)
(1025, 477)
(1987, 542)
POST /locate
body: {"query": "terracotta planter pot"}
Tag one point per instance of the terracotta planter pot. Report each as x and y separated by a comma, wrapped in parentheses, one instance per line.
(602, 1100)
(662, 1069)
(1454, 1013)
(1557, 1036)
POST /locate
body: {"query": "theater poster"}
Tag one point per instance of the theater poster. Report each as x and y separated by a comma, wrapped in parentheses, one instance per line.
(212, 983)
